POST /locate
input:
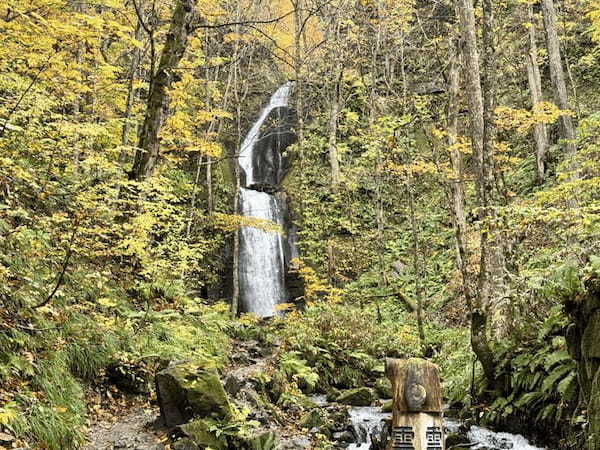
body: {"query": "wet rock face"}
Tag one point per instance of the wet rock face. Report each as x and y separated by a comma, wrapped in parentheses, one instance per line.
(269, 163)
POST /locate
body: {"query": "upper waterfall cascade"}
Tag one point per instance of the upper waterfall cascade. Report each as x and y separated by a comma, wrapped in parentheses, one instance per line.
(264, 254)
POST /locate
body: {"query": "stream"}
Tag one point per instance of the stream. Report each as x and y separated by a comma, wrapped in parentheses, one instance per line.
(366, 419)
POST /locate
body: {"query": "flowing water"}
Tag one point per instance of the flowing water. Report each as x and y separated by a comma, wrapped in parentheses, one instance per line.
(365, 420)
(262, 251)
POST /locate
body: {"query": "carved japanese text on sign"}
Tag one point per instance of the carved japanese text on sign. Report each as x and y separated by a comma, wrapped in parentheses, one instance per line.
(417, 407)
(403, 438)
(434, 438)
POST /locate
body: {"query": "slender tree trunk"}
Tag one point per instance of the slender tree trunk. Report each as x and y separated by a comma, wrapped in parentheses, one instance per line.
(534, 77)
(333, 127)
(193, 200)
(79, 7)
(417, 260)
(479, 338)
(558, 76)
(456, 158)
(235, 296)
(132, 75)
(380, 216)
(158, 99)
(299, 88)
(131, 91)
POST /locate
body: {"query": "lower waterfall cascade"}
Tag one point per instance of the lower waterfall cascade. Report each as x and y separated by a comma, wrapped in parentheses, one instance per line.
(264, 254)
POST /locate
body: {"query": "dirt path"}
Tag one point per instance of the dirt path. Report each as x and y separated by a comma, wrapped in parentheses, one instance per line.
(134, 430)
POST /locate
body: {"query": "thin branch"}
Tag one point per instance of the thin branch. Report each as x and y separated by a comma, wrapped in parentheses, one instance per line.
(248, 22)
(61, 276)
(26, 91)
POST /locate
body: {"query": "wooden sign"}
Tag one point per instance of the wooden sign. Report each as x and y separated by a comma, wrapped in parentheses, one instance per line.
(417, 406)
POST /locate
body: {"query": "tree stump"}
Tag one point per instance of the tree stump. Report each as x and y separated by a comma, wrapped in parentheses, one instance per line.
(417, 405)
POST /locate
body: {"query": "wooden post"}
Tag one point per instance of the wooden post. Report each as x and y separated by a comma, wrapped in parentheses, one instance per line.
(417, 407)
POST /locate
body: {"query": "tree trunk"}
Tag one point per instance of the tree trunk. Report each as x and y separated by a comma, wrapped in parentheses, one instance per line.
(235, 295)
(133, 69)
(333, 126)
(456, 158)
(417, 260)
(540, 132)
(481, 141)
(558, 76)
(158, 99)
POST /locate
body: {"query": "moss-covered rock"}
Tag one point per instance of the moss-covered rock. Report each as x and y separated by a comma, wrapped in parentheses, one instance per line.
(198, 431)
(191, 389)
(332, 394)
(185, 444)
(456, 439)
(590, 343)
(312, 419)
(357, 397)
(387, 406)
(264, 441)
(594, 413)
(383, 387)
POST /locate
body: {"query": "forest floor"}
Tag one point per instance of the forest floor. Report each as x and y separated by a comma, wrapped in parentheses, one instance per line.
(134, 427)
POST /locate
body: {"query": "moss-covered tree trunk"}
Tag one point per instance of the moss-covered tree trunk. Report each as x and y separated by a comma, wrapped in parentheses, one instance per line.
(182, 26)
(481, 139)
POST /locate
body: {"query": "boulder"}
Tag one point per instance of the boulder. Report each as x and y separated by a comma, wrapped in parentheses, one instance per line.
(343, 436)
(332, 394)
(311, 419)
(357, 397)
(338, 418)
(387, 406)
(590, 343)
(297, 443)
(380, 437)
(132, 378)
(383, 387)
(198, 431)
(264, 441)
(185, 444)
(191, 389)
(457, 439)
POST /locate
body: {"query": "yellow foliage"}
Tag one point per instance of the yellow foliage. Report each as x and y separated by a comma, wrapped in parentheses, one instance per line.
(232, 222)
(523, 120)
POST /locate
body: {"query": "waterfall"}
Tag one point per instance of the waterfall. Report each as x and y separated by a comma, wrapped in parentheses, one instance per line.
(263, 254)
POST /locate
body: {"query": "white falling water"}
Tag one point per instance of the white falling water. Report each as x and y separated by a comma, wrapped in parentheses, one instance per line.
(261, 255)
(262, 266)
(278, 99)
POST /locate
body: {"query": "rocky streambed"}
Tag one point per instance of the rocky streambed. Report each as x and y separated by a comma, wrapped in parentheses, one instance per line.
(254, 405)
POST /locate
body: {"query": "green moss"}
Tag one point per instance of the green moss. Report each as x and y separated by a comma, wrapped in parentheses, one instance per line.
(383, 387)
(205, 392)
(590, 342)
(387, 406)
(594, 414)
(200, 432)
(357, 397)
